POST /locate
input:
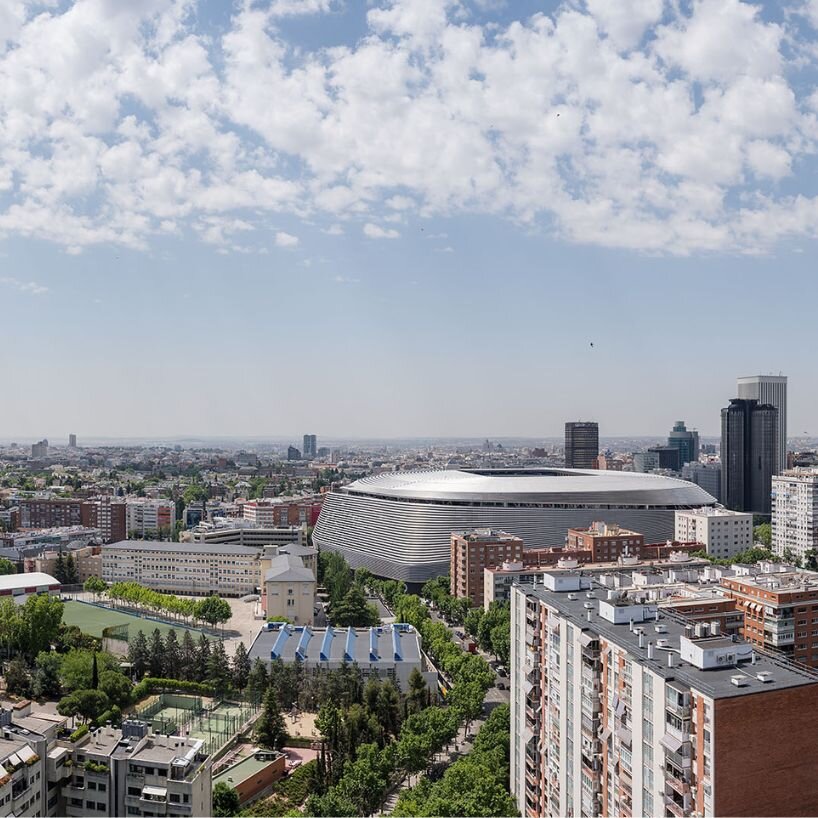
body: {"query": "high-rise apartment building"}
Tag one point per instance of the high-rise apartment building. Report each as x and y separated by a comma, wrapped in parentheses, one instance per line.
(772, 390)
(39, 449)
(619, 708)
(36, 513)
(471, 552)
(749, 446)
(108, 515)
(706, 475)
(310, 447)
(293, 453)
(581, 444)
(723, 533)
(72, 441)
(686, 441)
(795, 512)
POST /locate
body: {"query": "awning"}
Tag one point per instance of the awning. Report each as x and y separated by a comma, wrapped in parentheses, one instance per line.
(624, 735)
(26, 753)
(670, 742)
(154, 792)
(528, 686)
(15, 760)
(605, 735)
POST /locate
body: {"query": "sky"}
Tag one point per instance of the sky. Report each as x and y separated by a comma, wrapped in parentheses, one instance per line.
(395, 218)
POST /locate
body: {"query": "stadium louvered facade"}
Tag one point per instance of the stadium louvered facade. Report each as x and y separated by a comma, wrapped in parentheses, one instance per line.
(399, 525)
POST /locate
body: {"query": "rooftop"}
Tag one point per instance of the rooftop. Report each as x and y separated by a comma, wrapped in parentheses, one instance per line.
(716, 682)
(486, 535)
(244, 768)
(215, 549)
(715, 511)
(288, 568)
(385, 645)
(12, 582)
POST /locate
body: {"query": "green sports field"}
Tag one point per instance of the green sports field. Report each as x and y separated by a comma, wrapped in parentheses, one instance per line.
(92, 620)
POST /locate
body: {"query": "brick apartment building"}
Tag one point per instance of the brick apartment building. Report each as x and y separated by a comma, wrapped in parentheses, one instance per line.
(471, 552)
(605, 542)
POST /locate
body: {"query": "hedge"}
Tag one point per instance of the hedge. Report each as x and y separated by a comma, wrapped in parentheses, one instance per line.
(78, 733)
(154, 685)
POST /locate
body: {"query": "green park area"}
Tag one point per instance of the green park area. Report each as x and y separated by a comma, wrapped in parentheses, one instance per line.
(92, 619)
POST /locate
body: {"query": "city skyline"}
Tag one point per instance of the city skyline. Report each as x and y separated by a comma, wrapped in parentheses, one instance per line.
(169, 244)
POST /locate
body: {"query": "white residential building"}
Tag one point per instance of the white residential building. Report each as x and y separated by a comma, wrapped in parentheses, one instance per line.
(145, 516)
(722, 532)
(795, 512)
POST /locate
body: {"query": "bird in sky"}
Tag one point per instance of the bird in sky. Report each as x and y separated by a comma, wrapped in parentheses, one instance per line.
(592, 344)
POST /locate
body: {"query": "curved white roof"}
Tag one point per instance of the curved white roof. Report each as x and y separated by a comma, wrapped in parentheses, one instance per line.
(533, 486)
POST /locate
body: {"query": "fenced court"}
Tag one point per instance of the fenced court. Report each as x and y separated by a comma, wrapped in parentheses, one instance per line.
(94, 619)
(215, 722)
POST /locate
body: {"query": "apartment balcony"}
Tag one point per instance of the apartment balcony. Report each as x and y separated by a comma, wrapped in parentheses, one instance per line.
(676, 806)
(678, 779)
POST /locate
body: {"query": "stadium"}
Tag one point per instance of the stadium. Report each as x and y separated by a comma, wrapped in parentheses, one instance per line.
(399, 525)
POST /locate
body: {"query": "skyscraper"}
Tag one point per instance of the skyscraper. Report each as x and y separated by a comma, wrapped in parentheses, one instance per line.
(749, 443)
(310, 447)
(72, 441)
(771, 389)
(686, 441)
(581, 444)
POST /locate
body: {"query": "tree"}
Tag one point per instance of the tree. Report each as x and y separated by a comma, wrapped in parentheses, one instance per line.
(59, 569)
(270, 729)
(116, 687)
(213, 610)
(218, 668)
(156, 654)
(46, 681)
(763, 534)
(138, 655)
(225, 800)
(501, 641)
(418, 691)
(95, 586)
(94, 673)
(72, 576)
(173, 656)
(257, 681)
(7, 566)
(18, 682)
(241, 667)
(86, 703)
(202, 658)
(354, 611)
(77, 668)
(42, 615)
(188, 660)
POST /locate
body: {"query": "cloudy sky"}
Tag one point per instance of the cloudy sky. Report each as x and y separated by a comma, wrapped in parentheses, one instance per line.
(403, 217)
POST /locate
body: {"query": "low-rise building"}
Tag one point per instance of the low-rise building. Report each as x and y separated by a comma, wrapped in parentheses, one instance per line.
(385, 652)
(244, 532)
(722, 533)
(253, 776)
(605, 542)
(88, 561)
(21, 586)
(289, 590)
(183, 568)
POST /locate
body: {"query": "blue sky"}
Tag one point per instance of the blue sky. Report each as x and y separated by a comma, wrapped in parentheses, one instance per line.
(368, 220)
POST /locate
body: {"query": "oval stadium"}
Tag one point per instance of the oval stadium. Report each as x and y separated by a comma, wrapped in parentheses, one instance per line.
(399, 525)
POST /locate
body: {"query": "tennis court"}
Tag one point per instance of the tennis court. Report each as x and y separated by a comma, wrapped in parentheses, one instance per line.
(91, 619)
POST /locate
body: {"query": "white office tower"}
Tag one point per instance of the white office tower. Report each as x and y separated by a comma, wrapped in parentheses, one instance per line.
(770, 389)
(795, 512)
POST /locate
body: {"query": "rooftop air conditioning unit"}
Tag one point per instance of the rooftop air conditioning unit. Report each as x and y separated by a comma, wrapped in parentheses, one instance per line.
(738, 681)
(662, 643)
(764, 676)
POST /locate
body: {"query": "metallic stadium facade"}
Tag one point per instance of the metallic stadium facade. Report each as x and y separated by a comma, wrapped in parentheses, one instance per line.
(399, 525)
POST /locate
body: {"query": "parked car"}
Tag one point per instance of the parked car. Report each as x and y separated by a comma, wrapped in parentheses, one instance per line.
(501, 671)
(501, 685)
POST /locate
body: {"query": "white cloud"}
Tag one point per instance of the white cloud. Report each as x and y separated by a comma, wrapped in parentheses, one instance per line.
(286, 239)
(346, 280)
(374, 231)
(334, 230)
(655, 126)
(29, 287)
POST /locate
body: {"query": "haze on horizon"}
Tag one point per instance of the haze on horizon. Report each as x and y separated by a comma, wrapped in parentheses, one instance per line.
(405, 218)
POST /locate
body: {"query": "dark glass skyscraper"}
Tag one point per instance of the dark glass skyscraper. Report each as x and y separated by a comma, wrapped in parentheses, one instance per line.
(749, 449)
(581, 444)
(686, 441)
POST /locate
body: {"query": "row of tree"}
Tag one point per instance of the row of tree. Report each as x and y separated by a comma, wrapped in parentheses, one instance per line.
(212, 609)
(452, 609)
(203, 660)
(475, 785)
